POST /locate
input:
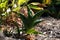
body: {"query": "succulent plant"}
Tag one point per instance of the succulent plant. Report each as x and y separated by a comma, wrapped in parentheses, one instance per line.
(30, 21)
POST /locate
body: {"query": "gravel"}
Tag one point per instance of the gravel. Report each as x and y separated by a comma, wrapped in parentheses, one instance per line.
(50, 27)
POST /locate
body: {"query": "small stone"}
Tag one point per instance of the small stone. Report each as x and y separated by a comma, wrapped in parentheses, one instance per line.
(44, 33)
(21, 32)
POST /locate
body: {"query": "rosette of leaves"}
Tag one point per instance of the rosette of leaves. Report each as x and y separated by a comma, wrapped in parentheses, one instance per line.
(30, 21)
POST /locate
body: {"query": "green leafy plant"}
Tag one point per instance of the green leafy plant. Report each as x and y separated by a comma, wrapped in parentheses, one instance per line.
(30, 21)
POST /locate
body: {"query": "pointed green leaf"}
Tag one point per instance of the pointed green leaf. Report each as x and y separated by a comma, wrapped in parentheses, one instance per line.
(29, 12)
(36, 22)
(38, 14)
(23, 18)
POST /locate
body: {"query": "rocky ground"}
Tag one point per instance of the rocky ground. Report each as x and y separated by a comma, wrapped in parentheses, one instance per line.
(50, 29)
